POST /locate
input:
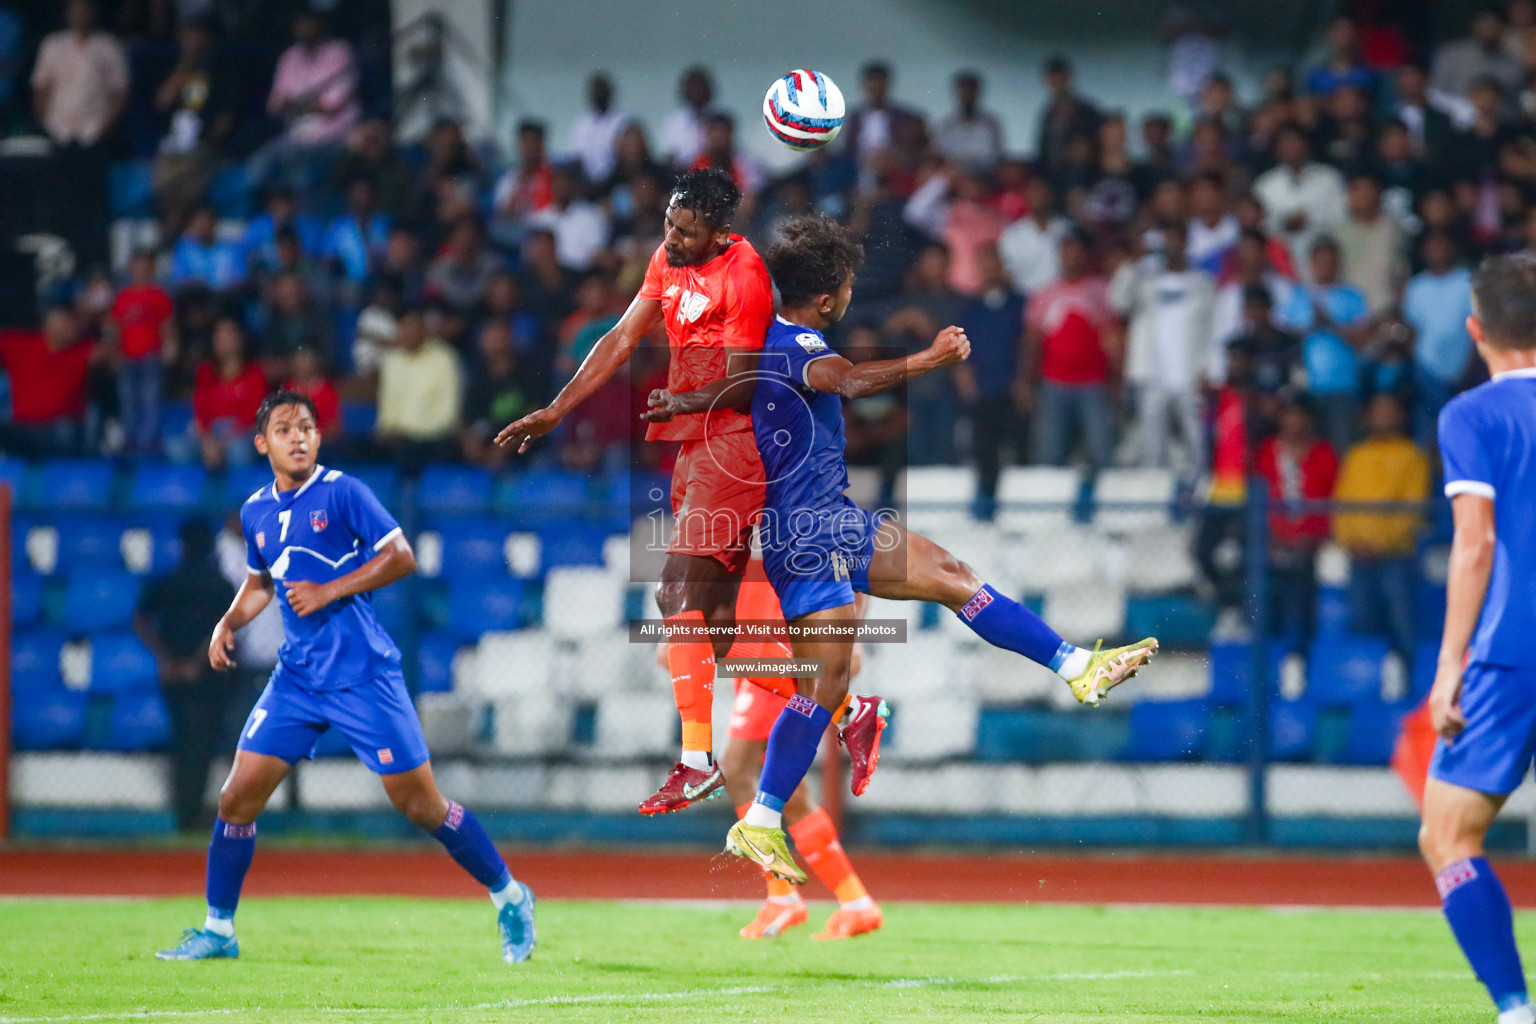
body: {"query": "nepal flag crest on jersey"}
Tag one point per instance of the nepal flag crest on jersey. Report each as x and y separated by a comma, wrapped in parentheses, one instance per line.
(317, 519)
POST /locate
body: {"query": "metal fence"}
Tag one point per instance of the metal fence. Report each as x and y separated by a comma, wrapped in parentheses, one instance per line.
(543, 714)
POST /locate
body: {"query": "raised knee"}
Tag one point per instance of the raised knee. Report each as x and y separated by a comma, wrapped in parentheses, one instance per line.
(424, 810)
(669, 598)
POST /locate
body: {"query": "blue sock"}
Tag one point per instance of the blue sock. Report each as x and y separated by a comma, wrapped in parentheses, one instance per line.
(1477, 910)
(467, 842)
(229, 858)
(791, 749)
(1003, 622)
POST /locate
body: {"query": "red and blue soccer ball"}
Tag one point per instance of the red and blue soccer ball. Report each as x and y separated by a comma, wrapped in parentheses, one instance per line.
(804, 110)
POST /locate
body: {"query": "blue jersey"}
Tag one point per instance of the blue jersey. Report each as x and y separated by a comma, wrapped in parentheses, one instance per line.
(799, 430)
(319, 532)
(1488, 444)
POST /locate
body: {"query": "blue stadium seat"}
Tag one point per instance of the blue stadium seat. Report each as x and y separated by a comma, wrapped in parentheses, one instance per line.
(1232, 670)
(130, 188)
(139, 722)
(389, 606)
(49, 721)
(175, 419)
(1292, 725)
(634, 494)
(359, 418)
(1177, 620)
(26, 598)
(99, 600)
(542, 496)
(89, 544)
(35, 659)
(164, 539)
(121, 663)
(244, 481)
(383, 480)
(482, 606)
(75, 483)
(157, 485)
(1345, 670)
(455, 489)
(572, 544)
(230, 193)
(1373, 732)
(434, 661)
(1170, 730)
(1332, 611)
(14, 473)
(473, 548)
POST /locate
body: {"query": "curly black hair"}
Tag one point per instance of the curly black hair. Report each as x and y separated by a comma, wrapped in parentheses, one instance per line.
(710, 193)
(813, 256)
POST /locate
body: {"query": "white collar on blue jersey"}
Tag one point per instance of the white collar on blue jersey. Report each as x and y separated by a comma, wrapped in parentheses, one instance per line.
(319, 469)
(1524, 371)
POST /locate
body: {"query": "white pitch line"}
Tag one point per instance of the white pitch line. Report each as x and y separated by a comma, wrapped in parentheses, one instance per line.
(598, 997)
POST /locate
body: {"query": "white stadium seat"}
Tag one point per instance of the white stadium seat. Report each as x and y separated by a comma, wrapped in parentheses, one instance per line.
(1032, 498)
(1153, 488)
(933, 728)
(511, 664)
(1086, 612)
(1160, 559)
(635, 725)
(582, 602)
(533, 723)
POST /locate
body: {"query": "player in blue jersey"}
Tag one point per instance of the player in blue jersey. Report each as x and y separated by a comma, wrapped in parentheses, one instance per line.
(819, 548)
(320, 541)
(1483, 703)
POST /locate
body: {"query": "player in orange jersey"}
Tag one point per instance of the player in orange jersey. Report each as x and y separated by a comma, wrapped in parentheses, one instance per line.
(755, 710)
(711, 289)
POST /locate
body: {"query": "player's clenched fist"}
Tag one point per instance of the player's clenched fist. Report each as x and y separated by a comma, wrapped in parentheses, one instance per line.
(1445, 702)
(221, 649)
(951, 346)
(661, 406)
(307, 597)
(535, 425)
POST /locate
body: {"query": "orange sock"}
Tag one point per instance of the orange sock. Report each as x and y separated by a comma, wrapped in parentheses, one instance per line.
(816, 840)
(758, 650)
(777, 887)
(692, 665)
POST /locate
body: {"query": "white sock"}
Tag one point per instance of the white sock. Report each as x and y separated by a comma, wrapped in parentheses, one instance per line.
(700, 760)
(767, 817)
(862, 903)
(1518, 1015)
(1075, 664)
(224, 926)
(512, 893)
(853, 710)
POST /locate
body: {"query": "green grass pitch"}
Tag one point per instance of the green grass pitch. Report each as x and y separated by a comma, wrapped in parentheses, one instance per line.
(388, 960)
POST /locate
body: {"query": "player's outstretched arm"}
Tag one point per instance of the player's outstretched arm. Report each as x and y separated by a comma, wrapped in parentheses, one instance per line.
(733, 391)
(836, 375)
(1467, 584)
(394, 562)
(250, 599)
(611, 352)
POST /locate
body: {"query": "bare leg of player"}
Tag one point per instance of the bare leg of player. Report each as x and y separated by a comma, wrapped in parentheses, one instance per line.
(694, 592)
(909, 567)
(1456, 821)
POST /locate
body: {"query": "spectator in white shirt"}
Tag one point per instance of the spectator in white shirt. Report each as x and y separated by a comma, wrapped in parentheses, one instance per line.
(595, 132)
(682, 134)
(580, 227)
(1302, 199)
(1031, 245)
(1169, 348)
(1213, 230)
(970, 136)
(80, 81)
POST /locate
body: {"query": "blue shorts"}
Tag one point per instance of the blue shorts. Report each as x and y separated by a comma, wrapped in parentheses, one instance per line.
(377, 719)
(818, 559)
(1494, 752)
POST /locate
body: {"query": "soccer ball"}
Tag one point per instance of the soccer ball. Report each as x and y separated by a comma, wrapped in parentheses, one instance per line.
(804, 109)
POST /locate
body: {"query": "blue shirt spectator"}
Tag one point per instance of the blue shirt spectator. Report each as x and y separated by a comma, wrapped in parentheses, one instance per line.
(200, 258)
(359, 238)
(1437, 304)
(1332, 366)
(260, 241)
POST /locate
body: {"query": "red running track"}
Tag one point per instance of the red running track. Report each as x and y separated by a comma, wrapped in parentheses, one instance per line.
(585, 874)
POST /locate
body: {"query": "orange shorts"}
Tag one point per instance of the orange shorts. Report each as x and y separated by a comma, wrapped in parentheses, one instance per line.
(718, 490)
(754, 712)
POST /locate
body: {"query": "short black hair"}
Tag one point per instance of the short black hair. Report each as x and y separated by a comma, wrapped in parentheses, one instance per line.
(277, 400)
(812, 257)
(710, 193)
(1504, 301)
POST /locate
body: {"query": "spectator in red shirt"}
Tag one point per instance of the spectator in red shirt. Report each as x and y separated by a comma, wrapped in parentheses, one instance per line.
(1070, 338)
(143, 325)
(48, 371)
(309, 379)
(1299, 466)
(229, 388)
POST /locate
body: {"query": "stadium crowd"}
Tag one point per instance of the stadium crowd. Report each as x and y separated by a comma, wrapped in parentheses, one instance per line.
(1225, 287)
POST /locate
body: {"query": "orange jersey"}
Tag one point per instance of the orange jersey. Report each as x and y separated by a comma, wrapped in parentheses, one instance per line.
(721, 306)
